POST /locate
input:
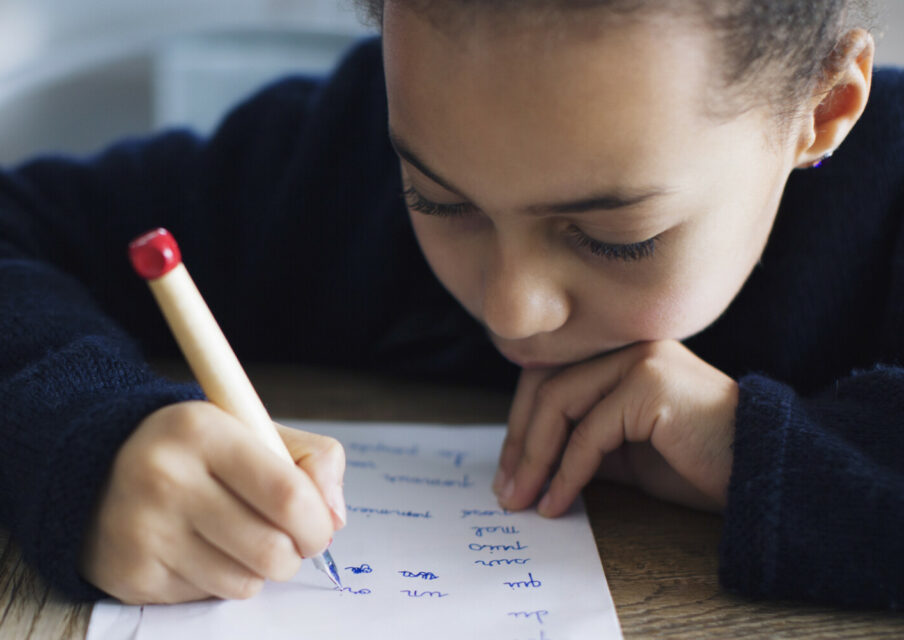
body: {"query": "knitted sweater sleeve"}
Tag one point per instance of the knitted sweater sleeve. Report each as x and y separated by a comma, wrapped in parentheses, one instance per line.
(816, 498)
(73, 383)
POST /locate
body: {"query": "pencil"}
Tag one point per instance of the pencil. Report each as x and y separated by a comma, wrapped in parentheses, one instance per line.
(156, 258)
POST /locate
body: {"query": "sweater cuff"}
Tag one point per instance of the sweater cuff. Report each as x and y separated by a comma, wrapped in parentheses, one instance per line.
(753, 516)
(80, 464)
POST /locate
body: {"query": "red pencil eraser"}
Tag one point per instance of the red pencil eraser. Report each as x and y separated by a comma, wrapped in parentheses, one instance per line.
(154, 253)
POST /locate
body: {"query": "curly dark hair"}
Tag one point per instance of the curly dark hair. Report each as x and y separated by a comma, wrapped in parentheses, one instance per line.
(778, 50)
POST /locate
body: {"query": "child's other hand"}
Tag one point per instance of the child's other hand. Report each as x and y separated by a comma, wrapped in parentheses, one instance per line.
(652, 414)
(196, 506)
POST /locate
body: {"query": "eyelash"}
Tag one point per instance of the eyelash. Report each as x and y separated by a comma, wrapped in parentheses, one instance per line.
(417, 202)
(627, 252)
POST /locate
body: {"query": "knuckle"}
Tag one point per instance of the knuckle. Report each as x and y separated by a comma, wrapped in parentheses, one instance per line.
(191, 428)
(653, 370)
(159, 477)
(582, 438)
(287, 496)
(656, 414)
(548, 392)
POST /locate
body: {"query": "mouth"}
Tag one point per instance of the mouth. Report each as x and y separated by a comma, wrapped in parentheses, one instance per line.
(539, 365)
(535, 361)
(527, 362)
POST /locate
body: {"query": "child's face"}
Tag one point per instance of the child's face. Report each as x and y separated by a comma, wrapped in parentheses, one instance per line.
(553, 152)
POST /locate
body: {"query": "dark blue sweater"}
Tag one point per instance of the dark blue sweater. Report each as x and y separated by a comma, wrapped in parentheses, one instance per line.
(291, 221)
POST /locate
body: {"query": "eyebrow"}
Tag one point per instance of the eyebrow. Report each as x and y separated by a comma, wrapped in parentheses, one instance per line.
(598, 202)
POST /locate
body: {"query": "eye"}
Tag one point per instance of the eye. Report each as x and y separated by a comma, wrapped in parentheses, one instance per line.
(630, 252)
(627, 252)
(417, 202)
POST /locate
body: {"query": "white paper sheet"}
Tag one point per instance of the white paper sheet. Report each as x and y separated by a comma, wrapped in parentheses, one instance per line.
(427, 553)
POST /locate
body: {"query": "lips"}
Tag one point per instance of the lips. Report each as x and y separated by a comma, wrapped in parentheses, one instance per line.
(539, 365)
(527, 362)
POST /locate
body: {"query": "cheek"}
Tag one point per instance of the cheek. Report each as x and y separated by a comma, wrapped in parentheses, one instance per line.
(691, 298)
(676, 300)
(671, 316)
(713, 257)
(647, 315)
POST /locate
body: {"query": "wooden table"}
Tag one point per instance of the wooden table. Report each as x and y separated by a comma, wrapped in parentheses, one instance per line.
(660, 559)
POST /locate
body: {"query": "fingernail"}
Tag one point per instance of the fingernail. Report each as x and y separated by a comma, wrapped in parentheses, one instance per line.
(335, 500)
(507, 491)
(498, 481)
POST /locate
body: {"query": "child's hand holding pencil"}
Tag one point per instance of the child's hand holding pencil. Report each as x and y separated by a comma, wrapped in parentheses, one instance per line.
(210, 498)
(197, 506)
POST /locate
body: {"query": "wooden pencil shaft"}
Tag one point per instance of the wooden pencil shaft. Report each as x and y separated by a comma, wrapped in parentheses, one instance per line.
(210, 357)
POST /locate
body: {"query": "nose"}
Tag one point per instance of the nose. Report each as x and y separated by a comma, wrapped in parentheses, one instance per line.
(522, 298)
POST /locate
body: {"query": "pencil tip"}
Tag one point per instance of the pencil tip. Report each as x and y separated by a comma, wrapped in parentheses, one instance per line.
(325, 563)
(334, 574)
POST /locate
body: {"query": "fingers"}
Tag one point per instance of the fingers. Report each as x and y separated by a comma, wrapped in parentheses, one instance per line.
(212, 572)
(171, 588)
(559, 402)
(196, 506)
(177, 589)
(519, 418)
(240, 533)
(323, 459)
(281, 493)
(601, 432)
(659, 394)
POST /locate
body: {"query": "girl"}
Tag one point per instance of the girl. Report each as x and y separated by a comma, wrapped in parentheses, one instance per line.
(622, 198)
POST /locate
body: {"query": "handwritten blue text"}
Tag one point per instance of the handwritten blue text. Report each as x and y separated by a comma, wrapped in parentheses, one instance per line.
(502, 561)
(379, 447)
(524, 584)
(359, 592)
(465, 513)
(479, 531)
(457, 456)
(426, 575)
(537, 615)
(371, 511)
(464, 482)
(364, 568)
(493, 548)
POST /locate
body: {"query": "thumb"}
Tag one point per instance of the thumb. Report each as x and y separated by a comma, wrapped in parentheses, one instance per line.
(323, 459)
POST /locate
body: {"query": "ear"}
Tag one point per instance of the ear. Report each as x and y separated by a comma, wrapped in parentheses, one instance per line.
(839, 100)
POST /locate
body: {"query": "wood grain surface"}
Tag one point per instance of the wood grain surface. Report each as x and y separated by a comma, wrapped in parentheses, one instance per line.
(660, 559)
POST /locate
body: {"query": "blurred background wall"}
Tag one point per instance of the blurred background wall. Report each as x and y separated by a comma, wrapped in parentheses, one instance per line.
(76, 74)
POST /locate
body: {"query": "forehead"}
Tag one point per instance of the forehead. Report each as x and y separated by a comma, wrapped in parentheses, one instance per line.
(514, 102)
